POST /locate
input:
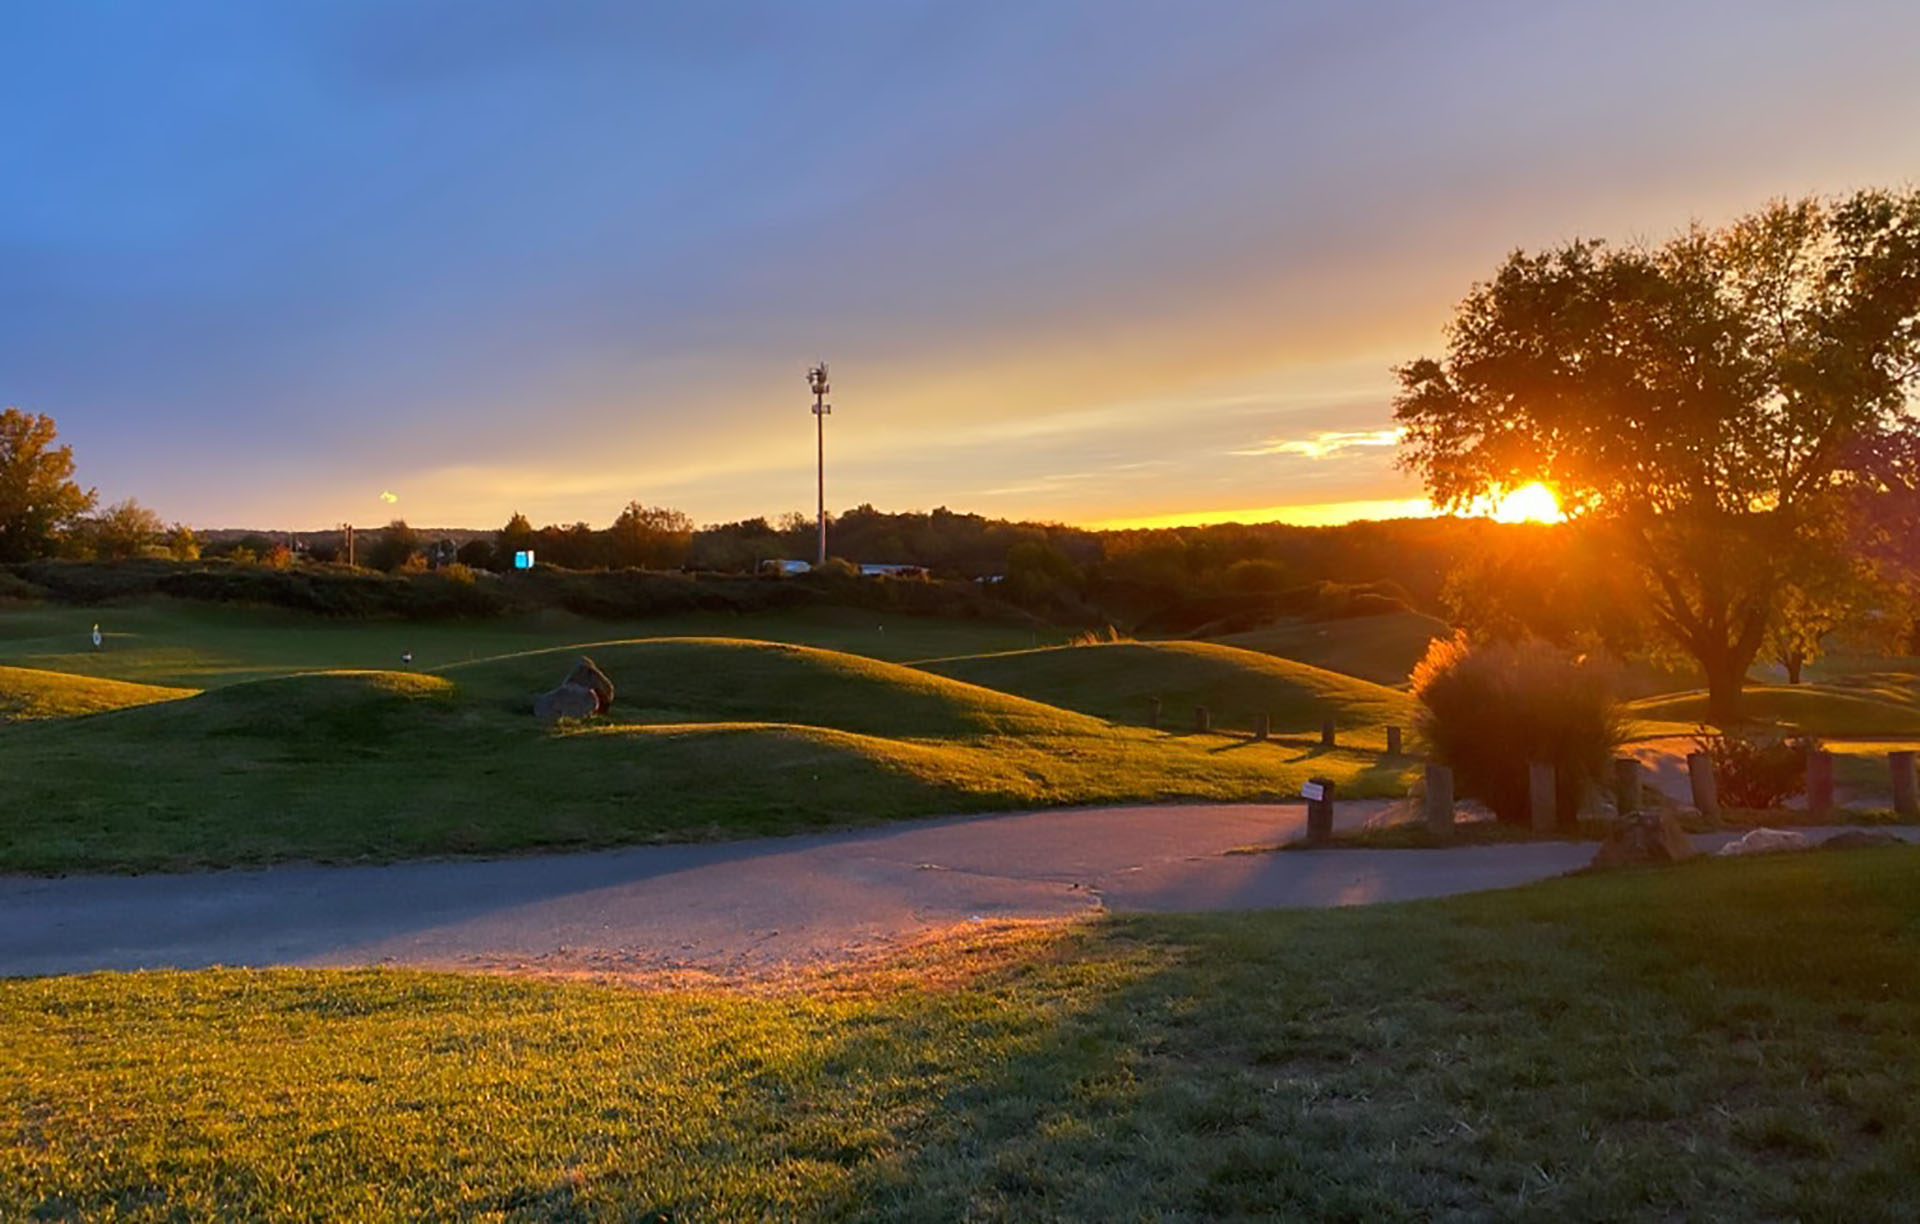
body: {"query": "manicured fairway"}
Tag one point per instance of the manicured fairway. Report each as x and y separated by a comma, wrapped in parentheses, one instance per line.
(1728, 1040)
(710, 738)
(201, 645)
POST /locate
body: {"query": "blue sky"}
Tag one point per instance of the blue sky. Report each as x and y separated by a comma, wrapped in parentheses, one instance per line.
(1083, 261)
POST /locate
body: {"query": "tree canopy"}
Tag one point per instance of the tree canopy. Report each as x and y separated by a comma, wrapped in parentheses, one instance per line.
(1713, 404)
(38, 497)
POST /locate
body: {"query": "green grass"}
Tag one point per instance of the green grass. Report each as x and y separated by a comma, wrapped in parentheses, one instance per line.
(1824, 709)
(1724, 1040)
(26, 693)
(708, 739)
(1382, 648)
(1115, 680)
(198, 645)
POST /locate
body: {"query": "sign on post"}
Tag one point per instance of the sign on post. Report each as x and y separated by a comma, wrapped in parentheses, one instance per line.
(1312, 791)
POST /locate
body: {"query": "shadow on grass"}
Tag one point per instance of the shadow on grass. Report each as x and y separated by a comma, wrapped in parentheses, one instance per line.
(1679, 1043)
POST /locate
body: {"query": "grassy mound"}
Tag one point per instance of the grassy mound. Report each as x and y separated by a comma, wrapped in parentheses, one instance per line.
(668, 680)
(1115, 680)
(709, 739)
(200, 645)
(1727, 1040)
(1381, 648)
(1823, 709)
(28, 693)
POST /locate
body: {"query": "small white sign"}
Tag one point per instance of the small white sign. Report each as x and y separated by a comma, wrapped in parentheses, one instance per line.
(1313, 791)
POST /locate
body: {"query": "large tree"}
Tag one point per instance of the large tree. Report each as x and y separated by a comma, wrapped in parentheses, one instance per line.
(650, 537)
(1707, 404)
(122, 530)
(38, 497)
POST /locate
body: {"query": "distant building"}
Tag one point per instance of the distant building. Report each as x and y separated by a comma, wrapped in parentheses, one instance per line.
(785, 569)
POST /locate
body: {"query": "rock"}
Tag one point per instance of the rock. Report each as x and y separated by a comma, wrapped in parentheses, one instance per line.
(566, 701)
(589, 677)
(1650, 837)
(1861, 839)
(1766, 841)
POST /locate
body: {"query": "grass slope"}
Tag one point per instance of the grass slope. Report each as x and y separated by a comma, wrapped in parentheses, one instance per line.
(28, 693)
(197, 645)
(1824, 709)
(710, 739)
(1115, 680)
(1382, 648)
(1726, 1040)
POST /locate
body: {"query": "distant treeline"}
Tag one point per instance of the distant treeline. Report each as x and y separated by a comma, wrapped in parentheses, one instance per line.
(1173, 581)
(455, 591)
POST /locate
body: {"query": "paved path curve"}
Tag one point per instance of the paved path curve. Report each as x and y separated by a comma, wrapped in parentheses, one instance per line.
(735, 907)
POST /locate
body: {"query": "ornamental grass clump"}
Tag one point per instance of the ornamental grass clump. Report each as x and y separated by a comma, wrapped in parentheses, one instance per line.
(1489, 710)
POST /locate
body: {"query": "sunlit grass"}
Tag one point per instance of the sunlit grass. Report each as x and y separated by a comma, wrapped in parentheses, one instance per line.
(707, 739)
(1727, 1040)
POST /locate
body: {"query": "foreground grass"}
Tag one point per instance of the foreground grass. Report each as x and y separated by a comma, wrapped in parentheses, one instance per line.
(709, 739)
(1720, 1041)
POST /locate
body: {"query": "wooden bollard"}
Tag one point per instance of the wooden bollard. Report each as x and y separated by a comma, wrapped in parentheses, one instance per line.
(1626, 785)
(1393, 741)
(1706, 796)
(1540, 796)
(1202, 720)
(1153, 713)
(1326, 733)
(1319, 794)
(1262, 726)
(1903, 782)
(1819, 783)
(1440, 799)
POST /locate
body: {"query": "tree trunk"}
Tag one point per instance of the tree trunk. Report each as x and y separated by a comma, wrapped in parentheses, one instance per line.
(1794, 661)
(1726, 673)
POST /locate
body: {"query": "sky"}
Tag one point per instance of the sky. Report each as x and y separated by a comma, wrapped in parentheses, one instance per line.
(293, 264)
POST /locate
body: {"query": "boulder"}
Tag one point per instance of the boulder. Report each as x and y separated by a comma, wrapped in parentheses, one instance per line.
(566, 701)
(1861, 839)
(1766, 841)
(1648, 837)
(589, 677)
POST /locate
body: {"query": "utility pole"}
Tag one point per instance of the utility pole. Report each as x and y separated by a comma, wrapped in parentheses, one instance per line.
(817, 379)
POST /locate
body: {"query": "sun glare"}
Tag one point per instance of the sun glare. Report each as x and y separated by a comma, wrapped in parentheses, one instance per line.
(1531, 503)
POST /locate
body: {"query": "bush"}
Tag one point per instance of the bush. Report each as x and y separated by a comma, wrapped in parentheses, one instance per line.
(1757, 768)
(1488, 711)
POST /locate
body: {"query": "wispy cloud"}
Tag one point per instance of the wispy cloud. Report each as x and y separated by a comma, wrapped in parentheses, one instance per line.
(1326, 442)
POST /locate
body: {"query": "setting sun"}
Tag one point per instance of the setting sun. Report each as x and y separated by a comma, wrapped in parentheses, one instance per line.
(1531, 503)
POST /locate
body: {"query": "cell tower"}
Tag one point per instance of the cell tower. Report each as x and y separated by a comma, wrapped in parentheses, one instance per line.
(817, 379)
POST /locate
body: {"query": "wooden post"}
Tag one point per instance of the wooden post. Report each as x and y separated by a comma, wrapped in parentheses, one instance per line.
(1819, 783)
(1393, 741)
(1326, 733)
(1320, 811)
(1440, 799)
(1540, 796)
(1262, 726)
(1903, 783)
(1706, 796)
(1626, 785)
(1153, 713)
(1202, 720)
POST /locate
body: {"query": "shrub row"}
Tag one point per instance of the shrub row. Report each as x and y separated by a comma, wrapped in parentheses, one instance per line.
(343, 591)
